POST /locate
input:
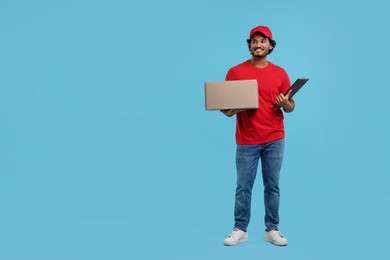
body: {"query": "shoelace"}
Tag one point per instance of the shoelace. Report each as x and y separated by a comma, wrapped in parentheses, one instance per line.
(234, 232)
(278, 234)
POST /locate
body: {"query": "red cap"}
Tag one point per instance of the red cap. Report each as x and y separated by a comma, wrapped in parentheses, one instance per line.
(261, 29)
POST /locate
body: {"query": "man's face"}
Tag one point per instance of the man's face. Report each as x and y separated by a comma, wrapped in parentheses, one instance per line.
(260, 46)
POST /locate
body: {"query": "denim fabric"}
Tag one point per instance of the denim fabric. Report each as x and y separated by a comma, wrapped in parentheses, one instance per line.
(247, 160)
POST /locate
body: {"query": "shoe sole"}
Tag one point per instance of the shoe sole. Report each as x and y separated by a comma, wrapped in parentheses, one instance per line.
(275, 243)
(238, 242)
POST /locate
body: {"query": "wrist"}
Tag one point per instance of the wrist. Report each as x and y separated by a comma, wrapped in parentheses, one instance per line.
(288, 107)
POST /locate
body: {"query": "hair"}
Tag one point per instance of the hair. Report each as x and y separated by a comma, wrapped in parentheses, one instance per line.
(272, 42)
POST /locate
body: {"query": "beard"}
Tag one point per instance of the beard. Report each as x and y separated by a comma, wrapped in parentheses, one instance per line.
(264, 53)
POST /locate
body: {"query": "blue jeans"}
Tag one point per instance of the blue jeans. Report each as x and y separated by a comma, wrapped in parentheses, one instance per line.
(247, 160)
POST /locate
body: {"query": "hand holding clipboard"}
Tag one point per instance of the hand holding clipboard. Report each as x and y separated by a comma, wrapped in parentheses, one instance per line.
(298, 84)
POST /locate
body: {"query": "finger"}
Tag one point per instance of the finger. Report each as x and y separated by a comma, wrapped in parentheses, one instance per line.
(288, 94)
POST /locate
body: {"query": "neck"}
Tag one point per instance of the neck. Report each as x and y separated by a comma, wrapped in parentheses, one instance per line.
(259, 62)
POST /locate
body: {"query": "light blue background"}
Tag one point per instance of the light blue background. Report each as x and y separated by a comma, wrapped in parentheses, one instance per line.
(107, 151)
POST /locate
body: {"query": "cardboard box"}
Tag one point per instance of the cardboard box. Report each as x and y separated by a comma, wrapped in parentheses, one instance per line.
(236, 94)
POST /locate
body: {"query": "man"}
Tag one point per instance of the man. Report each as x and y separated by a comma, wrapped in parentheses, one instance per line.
(260, 135)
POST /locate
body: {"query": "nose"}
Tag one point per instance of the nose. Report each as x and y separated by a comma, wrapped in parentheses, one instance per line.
(258, 44)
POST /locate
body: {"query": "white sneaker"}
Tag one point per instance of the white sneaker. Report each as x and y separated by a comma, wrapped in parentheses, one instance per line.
(236, 237)
(275, 237)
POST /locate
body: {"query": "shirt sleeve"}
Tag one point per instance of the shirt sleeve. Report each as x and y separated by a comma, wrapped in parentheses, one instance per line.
(285, 82)
(230, 75)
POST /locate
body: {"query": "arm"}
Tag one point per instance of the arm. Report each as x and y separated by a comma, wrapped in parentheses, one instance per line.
(231, 112)
(286, 102)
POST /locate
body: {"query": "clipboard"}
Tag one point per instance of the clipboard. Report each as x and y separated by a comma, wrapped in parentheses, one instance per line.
(298, 84)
